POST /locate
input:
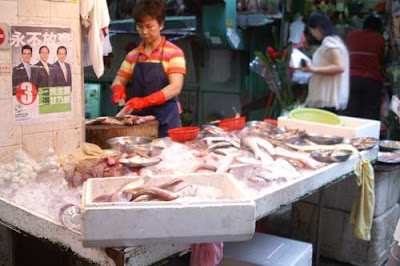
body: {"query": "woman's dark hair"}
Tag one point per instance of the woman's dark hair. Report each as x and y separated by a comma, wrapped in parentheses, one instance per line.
(372, 23)
(152, 8)
(319, 20)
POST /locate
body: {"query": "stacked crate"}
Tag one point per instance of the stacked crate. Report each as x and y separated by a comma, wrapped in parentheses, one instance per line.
(337, 240)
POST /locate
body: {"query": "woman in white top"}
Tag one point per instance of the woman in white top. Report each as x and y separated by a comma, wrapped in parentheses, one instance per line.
(329, 84)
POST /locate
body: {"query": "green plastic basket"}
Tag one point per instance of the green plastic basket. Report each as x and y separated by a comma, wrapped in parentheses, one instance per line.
(316, 116)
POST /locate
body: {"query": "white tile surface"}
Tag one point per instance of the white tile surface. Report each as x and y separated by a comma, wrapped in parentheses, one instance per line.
(7, 153)
(5, 57)
(5, 87)
(9, 133)
(34, 8)
(33, 21)
(78, 97)
(68, 124)
(64, 10)
(66, 141)
(37, 128)
(8, 11)
(37, 144)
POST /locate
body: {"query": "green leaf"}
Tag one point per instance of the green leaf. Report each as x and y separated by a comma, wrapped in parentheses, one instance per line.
(264, 59)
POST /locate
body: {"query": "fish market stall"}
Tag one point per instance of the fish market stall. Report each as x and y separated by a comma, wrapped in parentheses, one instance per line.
(230, 178)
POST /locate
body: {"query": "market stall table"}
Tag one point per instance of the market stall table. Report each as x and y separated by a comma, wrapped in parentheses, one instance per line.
(24, 220)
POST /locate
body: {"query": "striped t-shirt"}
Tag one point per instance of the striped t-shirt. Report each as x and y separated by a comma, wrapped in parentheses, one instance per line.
(170, 55)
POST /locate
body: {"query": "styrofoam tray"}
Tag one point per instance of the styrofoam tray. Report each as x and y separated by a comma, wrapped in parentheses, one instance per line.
(116, 224)
(352, 127)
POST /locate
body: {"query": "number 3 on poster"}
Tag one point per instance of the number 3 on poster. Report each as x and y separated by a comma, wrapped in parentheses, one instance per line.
(26, 93)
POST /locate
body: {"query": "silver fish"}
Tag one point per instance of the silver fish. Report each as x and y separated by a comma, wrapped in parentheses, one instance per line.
(226, 151)
(211, 140)
(218, 145)
(300, 156)
(251, 143)
(263, 143)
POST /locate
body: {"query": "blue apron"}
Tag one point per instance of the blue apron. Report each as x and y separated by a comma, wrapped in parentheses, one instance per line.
(149, 78)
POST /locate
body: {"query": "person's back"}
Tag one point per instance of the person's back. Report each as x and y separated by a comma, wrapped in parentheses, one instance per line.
(367, 50)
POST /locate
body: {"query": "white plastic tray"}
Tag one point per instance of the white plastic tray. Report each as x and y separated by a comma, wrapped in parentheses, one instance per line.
(117, 224)
(352, 127)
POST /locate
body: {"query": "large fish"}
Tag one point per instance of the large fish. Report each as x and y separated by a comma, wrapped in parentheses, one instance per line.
(303, 158)
(252, 144)
(265, 144)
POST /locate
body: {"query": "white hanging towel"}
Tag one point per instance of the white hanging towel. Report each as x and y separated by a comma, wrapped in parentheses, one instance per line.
(95, 17)
(107, 48)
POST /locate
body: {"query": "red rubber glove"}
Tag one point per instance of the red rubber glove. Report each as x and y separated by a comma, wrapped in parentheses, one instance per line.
(118, 93)
(138, 103)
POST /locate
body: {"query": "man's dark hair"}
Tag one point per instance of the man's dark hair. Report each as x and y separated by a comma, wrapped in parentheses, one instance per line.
(44, 46)
(319, 20)
(152, 8)
(372, 23)
(62, 47)
(26, 47)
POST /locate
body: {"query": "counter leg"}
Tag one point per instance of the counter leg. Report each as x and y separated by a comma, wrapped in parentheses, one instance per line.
(394, 258)
(319, 223)
(6, 246)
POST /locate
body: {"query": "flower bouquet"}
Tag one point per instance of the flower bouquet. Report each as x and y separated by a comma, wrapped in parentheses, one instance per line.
(273, 66)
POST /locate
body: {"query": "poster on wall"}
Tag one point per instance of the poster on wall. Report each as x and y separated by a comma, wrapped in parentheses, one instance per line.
(41, 74)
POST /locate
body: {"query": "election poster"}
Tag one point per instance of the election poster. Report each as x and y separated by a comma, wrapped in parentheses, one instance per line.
(41, 74)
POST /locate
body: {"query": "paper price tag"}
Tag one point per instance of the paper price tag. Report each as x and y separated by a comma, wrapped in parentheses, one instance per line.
(233, 37)
(216, 40)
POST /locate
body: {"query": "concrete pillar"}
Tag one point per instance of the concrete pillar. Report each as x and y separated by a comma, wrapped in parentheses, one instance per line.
(63, 136)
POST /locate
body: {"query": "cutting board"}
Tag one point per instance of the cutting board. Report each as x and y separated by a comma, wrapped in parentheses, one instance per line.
(99, 134)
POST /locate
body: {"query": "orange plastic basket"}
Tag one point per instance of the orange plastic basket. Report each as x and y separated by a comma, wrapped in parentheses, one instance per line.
(271, 121)
(183, 134)
(236, 123)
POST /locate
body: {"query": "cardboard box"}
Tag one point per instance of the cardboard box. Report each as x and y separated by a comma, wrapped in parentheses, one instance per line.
(269, 250)
(115, 224)
(352, 127)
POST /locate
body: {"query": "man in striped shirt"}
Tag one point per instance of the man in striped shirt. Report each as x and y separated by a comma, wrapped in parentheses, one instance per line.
(156, 68)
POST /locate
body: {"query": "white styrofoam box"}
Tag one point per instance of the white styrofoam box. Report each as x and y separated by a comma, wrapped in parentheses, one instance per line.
(341, 195)
(337, 239)
(269, 250)
(116, 224)
(352, 127)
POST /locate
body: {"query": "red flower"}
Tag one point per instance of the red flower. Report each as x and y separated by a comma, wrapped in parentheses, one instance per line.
(283, 53)
(271, 52)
